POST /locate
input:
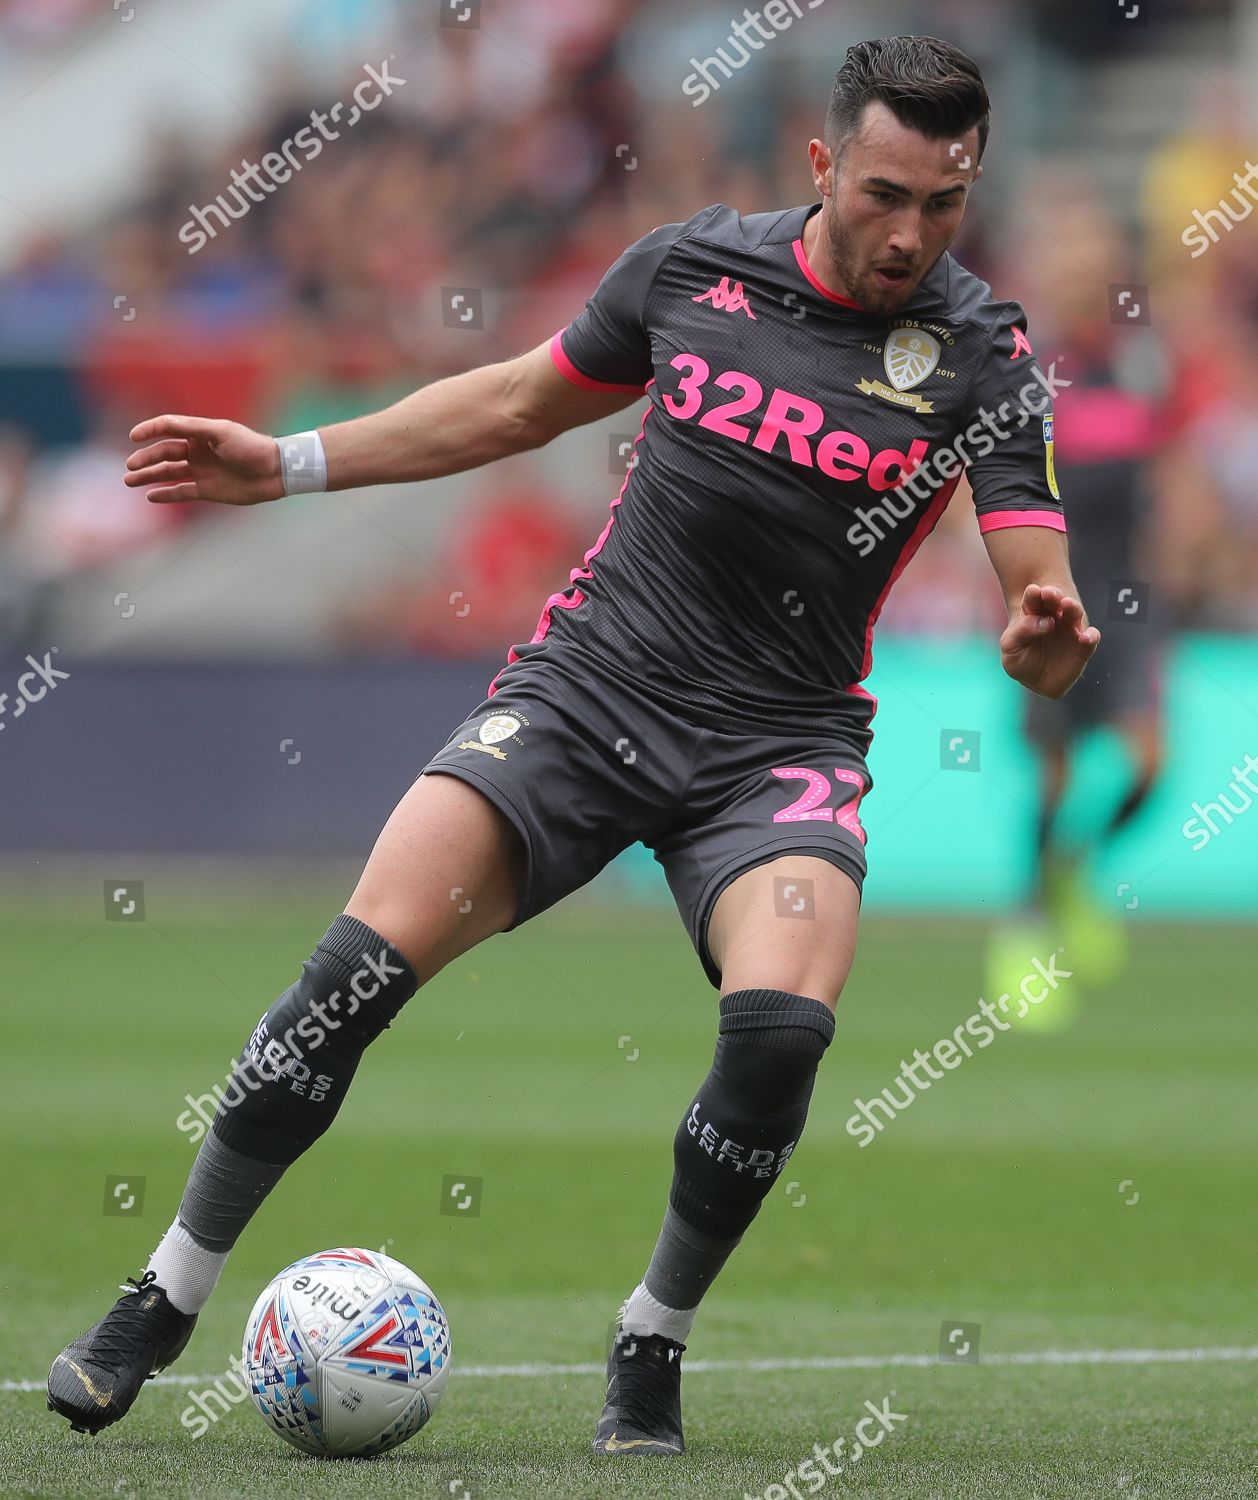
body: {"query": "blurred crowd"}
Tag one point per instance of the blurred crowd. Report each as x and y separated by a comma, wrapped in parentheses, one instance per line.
(523, 172)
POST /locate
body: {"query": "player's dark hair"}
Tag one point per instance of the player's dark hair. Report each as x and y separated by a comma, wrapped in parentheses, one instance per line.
(929, 85)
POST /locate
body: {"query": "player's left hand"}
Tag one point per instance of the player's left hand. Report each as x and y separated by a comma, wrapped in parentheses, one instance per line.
(1048, 642)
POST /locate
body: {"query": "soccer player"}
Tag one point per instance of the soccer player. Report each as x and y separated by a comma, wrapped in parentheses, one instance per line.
(817, 379)
(1110, 426)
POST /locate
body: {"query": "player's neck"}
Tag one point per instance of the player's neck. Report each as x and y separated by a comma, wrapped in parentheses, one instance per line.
(817, 254)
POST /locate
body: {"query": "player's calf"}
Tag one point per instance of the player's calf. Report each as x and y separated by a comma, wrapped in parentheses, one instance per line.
(285, 1090)
(286, 1087)
(297, 1065)
(731, 1146)
(750, 1110)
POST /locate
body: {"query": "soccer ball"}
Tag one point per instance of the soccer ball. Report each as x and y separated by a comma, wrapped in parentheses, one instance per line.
(346, 1353)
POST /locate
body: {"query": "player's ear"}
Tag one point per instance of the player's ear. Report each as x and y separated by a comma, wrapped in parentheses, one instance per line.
(822, 164)
(979, 172)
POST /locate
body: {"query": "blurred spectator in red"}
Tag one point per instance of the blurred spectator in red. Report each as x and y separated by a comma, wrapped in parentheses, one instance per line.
(512, 547)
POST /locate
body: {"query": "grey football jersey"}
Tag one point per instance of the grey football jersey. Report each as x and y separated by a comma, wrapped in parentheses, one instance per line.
(795, 453)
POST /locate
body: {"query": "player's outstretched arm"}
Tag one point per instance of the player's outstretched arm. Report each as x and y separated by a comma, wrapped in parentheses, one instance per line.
(1048, 640)
(446, 427)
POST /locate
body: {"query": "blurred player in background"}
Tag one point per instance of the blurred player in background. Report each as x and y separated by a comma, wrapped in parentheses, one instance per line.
(1108, 430)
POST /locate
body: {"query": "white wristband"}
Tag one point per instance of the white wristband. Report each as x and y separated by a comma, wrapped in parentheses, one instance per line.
(303, 465)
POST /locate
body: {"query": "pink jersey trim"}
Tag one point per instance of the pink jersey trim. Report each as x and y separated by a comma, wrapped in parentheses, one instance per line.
(998, 520)
(924, 527)
(561, 599)
(858, 691)
(814, 280)
(570, 372)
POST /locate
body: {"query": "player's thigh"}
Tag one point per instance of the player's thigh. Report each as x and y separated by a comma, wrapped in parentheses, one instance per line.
(767, 867)
(788, 924)
(529, 798)
(445, 872)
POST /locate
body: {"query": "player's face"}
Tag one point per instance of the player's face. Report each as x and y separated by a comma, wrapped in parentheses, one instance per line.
(895, 199)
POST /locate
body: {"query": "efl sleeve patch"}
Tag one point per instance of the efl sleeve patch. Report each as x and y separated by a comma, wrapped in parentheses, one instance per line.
(1049, 471)
(1011, 406)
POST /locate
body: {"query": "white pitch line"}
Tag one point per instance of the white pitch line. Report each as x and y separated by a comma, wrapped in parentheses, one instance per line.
(836, 1362)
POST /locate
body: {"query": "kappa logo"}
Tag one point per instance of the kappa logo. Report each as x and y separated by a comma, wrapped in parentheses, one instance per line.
(1021, 344)
(495, 729)
(730, 298)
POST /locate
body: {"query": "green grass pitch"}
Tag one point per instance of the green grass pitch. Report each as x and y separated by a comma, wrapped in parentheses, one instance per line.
(1087, 1190)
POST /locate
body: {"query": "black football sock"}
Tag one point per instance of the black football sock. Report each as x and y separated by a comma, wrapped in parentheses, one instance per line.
(683, 1265)
(730, 1148)
(296, 1068)
(1130, 805)
(283, 1093)
(224, 1191)
(1044, 854)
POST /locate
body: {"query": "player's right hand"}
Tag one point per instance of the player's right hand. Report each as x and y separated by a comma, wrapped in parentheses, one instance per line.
(199, 458)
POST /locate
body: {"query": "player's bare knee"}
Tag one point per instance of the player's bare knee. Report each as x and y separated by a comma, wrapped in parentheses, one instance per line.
(437, 928)
(446, 872)
(821, 984)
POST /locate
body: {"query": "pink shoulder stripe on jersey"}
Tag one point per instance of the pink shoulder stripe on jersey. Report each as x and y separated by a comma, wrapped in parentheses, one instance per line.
(570, 372)
(998, 520)
(925, 525)
(815, 280)
(561, 599)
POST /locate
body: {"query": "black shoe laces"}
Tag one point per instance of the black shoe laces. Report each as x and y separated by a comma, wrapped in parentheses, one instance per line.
(128, 1330)
(648, 1382)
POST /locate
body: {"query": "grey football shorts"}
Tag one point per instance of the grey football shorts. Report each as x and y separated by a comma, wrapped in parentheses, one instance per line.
(585, 763)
